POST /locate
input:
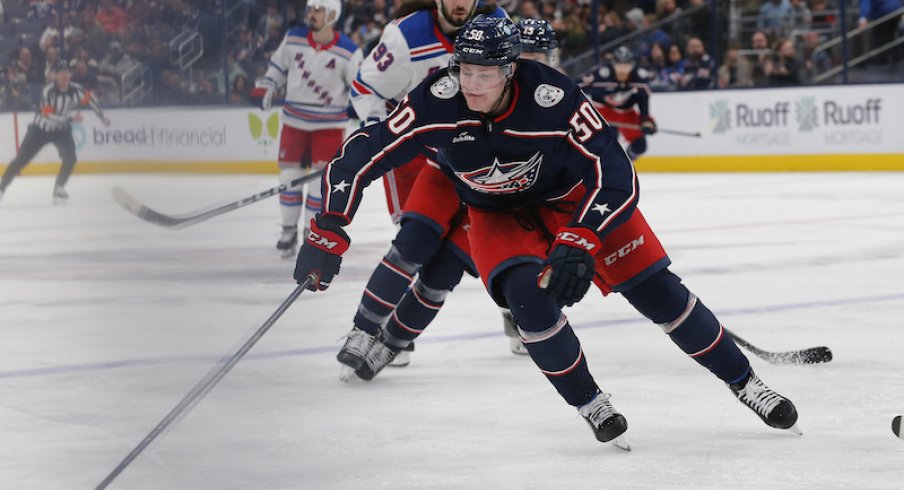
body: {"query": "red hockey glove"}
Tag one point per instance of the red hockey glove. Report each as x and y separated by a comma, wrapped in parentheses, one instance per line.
(569, 269)
(321, 252)
(648, 125)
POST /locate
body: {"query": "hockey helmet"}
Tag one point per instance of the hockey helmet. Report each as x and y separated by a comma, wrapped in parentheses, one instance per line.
(623, 54)
(329, 6)
(537, 36)
(487, 41)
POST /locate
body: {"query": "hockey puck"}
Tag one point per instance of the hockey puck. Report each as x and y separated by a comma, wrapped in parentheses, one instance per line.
(896, 426)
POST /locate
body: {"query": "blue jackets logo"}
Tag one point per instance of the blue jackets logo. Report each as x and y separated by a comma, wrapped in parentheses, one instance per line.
(504, 178)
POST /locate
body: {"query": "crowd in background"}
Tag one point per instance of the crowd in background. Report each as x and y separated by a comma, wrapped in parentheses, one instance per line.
(112, 45)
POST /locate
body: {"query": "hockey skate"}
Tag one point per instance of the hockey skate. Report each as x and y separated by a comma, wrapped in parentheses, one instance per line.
(351, 355)
(511, 331)
(403, 358)
(774, 409)
(60, 197)
(378, 357)
(287, 241)
(607, 424)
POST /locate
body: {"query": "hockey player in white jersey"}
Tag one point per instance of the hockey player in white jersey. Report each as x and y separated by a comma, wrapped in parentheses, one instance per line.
(317, 65)
(430, 252)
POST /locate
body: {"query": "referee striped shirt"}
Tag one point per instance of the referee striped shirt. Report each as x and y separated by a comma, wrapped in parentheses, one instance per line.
(57, 106)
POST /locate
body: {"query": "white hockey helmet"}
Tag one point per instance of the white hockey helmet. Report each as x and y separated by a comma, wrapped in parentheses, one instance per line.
(334, 6)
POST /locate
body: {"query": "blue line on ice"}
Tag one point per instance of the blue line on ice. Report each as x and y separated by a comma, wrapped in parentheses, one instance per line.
(74, 368)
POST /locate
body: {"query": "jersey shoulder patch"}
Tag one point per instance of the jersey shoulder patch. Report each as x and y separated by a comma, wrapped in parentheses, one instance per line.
(548, 95)
(444, 88)
(604, 72)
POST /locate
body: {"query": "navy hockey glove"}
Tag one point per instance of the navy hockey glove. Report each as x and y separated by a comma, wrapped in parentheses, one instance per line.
(569, 269)
(321, 252)
(648, 125)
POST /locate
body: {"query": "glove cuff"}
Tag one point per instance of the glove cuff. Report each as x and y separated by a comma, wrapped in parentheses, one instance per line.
(580, 238)
(327, 235)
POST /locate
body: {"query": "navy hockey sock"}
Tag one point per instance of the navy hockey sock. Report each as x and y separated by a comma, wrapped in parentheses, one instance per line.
(691, 326)
(547, 335)
(422, 302)
(414, 245)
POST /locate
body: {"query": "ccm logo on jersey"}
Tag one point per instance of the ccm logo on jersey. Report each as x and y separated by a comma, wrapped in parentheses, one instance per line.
(576, 240)
(630, 247)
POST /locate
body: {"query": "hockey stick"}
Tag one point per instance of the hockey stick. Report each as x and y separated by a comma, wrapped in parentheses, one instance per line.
(810, 355)
(692, 134)
(204, 386)
(179, 221)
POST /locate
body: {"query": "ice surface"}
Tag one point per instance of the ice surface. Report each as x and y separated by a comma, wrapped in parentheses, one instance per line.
(106, 322)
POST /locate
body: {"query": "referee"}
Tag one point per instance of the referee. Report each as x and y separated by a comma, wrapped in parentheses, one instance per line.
(52, 124)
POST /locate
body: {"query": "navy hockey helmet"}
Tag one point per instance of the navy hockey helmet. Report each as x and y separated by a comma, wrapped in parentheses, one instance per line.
(537, 36)
(623, 54)
(487, 41)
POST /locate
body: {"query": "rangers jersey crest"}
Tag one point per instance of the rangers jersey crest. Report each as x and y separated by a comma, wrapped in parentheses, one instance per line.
(548, 95)
(504, 178)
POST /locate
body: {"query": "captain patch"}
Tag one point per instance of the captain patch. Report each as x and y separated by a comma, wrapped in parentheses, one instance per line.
(547, 95)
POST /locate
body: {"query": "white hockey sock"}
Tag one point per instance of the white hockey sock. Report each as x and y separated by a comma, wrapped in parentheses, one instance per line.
(291, 201)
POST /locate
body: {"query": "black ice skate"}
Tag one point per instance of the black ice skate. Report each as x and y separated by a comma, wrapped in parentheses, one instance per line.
(403, 358)
(351, 355)
(378, 357)
(774, 409)
(511, 331)
(287, 241)
(60, 197)
(607, 424)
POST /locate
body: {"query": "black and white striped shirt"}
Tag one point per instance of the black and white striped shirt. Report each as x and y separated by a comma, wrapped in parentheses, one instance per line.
(57, 106)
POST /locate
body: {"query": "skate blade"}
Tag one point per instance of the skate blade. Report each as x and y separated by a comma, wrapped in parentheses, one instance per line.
(795, 429)
(345, 373)
(621, 442)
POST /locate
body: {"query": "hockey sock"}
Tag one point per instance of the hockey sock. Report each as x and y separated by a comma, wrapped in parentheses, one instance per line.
(414, 245)
(420, 304)
(290, 200)
(547, 335)
(691, 326)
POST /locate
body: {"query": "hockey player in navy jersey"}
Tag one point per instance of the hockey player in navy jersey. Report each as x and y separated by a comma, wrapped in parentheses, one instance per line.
(621, 92)
(429, 254)
(551, 201)
(317, 65)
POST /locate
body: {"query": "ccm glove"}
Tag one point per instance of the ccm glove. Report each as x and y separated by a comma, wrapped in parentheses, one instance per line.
(648, 125)
(321, 252)
(569, 269)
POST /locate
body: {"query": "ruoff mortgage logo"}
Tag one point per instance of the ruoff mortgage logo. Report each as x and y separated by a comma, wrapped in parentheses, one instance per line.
(721, 116)
(256, 125)
(807, 114)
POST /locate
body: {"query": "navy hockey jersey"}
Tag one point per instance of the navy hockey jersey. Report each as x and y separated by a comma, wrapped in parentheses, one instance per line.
(602, 86)
(549, 141)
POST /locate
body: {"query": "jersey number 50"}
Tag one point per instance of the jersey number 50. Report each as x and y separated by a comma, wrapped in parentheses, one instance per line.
(585, 121)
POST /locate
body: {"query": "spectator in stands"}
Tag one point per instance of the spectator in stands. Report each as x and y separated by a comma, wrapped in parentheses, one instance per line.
(239, 91)
(823, 18)
(674, 70)
(51, 59)
(527, 10)
(34, 72)
(699, 68)
(612, 27)
(783, 68)
(83, 75)
(813, 63)
(112, 67)
(40, 9)
(268, 21)
(760, 44)
(885, 31)
(645, 42)
(247, 49)
(735, 70)
(656, 63)
(801, 17)
(95, 36)
(172, 89)
(773, 16)
(110, 17)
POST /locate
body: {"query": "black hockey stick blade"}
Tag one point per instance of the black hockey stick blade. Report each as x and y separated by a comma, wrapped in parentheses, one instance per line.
(810, 355)
(204, 386)
(179, 221)
(690, 134)
(896, 426)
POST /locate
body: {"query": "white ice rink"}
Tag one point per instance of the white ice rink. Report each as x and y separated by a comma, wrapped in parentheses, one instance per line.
(106, 322)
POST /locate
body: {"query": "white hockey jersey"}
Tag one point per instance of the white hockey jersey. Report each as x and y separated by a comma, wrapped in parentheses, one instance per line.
(317, 78)
(410, 48)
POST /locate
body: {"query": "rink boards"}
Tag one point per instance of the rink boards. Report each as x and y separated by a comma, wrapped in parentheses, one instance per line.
(794, 129)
